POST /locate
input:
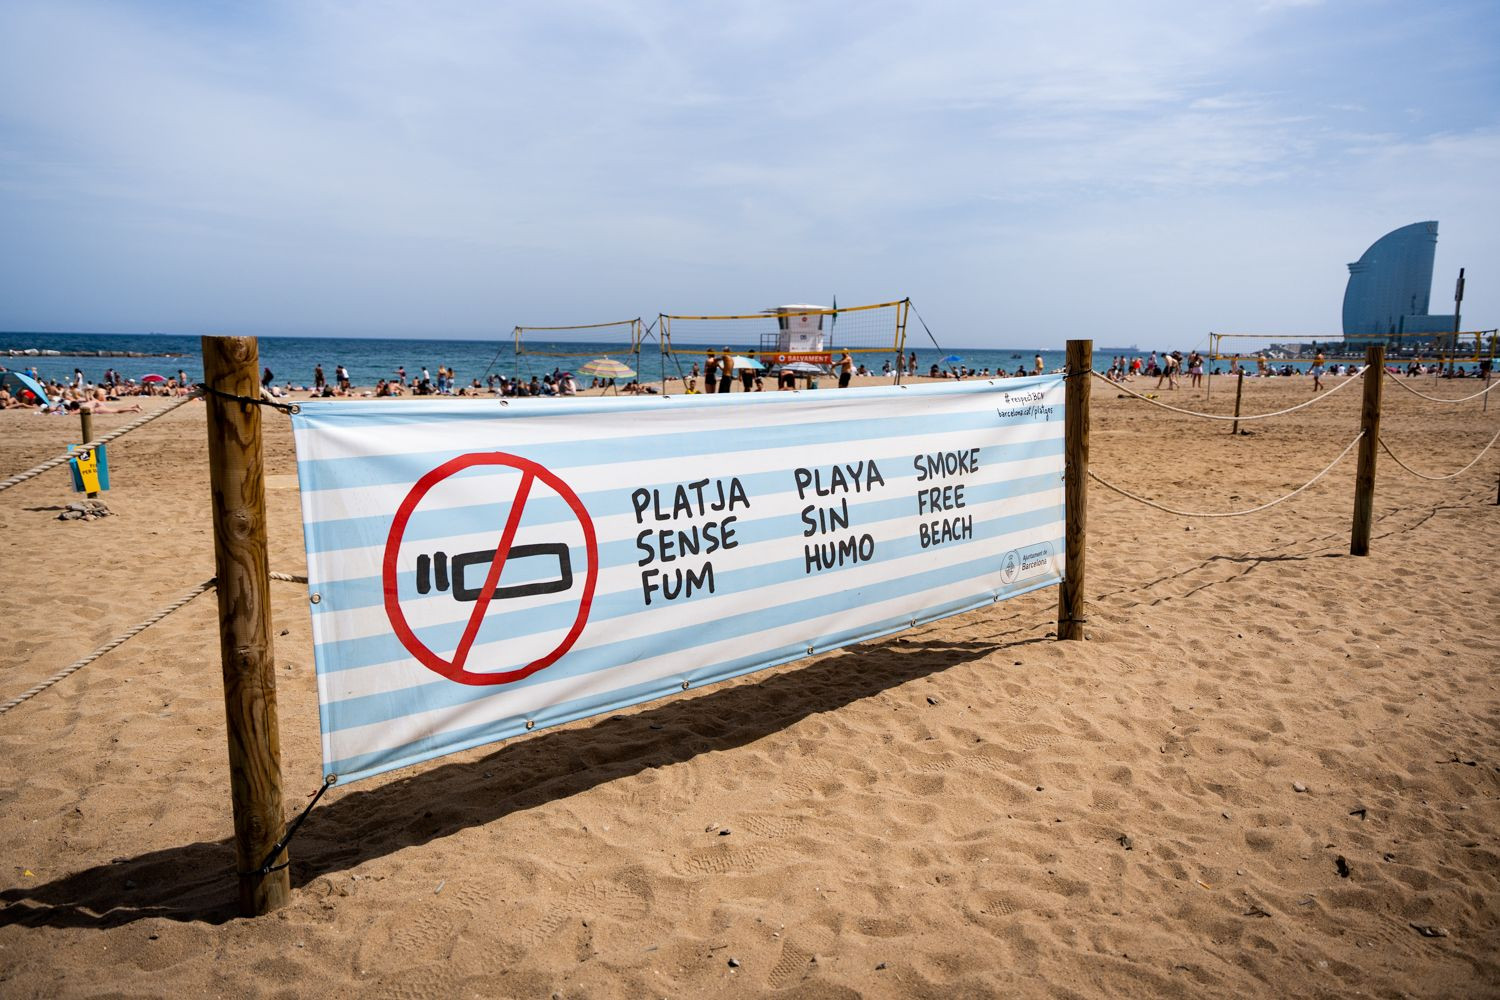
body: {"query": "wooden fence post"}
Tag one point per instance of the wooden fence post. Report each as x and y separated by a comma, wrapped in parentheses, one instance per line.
(1070, 602)
(86, 422)
(237, 480)
(1369, 448)
(1239, 390)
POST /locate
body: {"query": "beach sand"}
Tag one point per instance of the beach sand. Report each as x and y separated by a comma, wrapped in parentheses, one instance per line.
(967, 809)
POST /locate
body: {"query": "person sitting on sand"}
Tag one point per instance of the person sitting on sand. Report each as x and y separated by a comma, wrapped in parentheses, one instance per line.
(95, 407)
(9, 402)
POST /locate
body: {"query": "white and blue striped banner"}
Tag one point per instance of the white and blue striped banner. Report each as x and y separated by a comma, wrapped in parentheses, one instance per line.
(481, 568)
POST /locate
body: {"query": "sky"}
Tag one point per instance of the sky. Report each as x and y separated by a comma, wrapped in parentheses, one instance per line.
(1026, 172)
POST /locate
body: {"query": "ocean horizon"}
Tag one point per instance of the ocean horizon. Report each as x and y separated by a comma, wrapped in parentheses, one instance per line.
(293, 358)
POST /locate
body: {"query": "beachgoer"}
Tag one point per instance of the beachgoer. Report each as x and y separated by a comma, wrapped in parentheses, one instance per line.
(1316, 371)
(911, 363)
(747, 376)
(846, 369)
(267, 378)
(726, 372)
(319, 379)
(93, 407)
(1195, 369)
(711, 373)
(1169, 363)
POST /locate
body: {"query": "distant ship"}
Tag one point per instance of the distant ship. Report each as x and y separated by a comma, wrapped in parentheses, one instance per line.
(1132, 349)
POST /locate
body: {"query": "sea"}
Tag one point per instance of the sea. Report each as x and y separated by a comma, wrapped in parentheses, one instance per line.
(292, 359)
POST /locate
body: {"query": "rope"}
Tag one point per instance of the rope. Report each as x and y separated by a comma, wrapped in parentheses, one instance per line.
(1232, 513)
(264, 399)
(1451, 475)
(1215, 416)
(1440, 399)
(53, 463)
(118, 640)
(129, 633)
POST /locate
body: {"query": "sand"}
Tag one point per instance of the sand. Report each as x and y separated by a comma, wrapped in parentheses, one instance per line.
(968, 809)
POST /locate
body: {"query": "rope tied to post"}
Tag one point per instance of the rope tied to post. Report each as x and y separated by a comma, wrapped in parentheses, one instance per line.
(1451, 475)
(266, 866)
(263, 400)
(1216, 416)
(117, 641)
(1232, 513)
(53, 463)
(1440, 399)
(128, 634)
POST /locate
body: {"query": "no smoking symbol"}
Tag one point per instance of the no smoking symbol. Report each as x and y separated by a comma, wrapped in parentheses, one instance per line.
(456, 669)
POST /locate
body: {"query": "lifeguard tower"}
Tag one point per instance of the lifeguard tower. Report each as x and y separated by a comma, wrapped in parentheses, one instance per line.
(799, 330)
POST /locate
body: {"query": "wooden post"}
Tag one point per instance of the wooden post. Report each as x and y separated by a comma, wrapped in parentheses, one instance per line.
(237, 480)
(86, 419)
(1369, 447)
(1070, 601)
(1239, 391)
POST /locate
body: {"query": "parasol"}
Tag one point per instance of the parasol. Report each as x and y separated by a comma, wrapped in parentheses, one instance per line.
(606, 368)
(20, 384)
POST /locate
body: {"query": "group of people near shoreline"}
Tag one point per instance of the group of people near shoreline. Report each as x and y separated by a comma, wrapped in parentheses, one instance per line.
(718, 373)
(79, 394)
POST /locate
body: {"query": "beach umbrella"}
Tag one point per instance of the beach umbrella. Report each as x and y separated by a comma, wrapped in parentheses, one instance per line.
(19, 384)
(951, 359)
(737, 362)
(606, 368)
(153, 377)
(801, 366)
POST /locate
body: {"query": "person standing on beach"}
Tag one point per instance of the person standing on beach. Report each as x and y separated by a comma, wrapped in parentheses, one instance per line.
(726, 372)
(1316, 371)
(1169, 364)
(1036, 368)
(747, 376)
(1195, 369)
(319, 379)
(846, 369)
(711, 373)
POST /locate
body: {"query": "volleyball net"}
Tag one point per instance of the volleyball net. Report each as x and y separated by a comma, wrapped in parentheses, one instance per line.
(584, 340)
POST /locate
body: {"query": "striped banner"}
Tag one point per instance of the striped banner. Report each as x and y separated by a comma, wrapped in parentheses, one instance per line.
(480, 568)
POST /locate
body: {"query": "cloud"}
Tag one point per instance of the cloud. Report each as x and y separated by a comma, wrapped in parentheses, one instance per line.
(401, 166)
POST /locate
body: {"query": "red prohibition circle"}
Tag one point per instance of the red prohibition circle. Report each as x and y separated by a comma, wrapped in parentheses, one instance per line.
(454, 669)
